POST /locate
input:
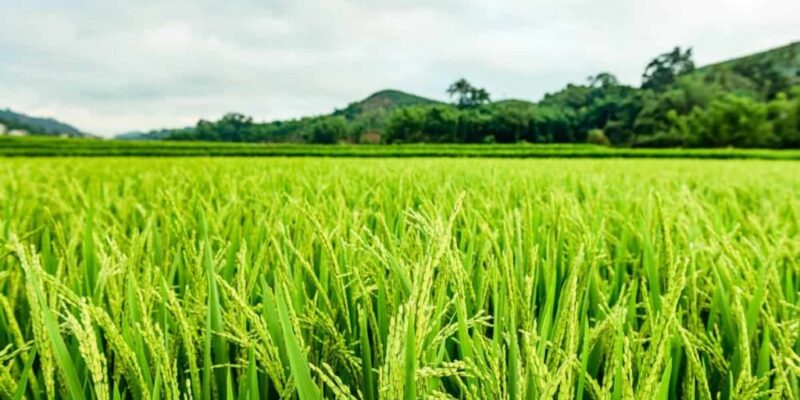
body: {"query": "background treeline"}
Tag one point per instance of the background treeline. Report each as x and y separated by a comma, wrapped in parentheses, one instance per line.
(748, 102)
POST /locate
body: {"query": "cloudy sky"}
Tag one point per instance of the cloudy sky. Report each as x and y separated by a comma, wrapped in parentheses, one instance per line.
(114, 66)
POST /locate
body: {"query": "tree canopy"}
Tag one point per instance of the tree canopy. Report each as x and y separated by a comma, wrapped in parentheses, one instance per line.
(467, 95)
(662, 71)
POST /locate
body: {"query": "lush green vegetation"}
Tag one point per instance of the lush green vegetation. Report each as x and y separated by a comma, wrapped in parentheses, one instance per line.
(750, 102)
(441, 278)
(47, 147)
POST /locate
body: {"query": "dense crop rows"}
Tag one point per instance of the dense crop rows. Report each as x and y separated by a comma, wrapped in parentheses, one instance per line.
(399, 279)
(48, 147)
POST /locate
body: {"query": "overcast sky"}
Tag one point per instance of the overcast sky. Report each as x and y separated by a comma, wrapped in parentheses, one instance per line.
(109, 67)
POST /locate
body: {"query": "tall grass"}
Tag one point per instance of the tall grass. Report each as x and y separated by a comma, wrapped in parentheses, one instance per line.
(399, 279)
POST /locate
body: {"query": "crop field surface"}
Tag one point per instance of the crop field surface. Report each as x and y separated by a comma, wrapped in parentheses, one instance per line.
(307, 278)
(34, 146)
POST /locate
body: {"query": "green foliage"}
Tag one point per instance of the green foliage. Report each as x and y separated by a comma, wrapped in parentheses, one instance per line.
(328, 130)
(390, 279)
(467, 95)
(596, 136)
(688, 92)
(730, 120)
(763, 74)
(510, 122)
(502, 122)
(784, 114)
(232, 127)
(406, 125)
(604, 104)
(662, 71)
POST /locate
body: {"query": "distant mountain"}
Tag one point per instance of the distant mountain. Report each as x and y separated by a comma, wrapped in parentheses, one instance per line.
(380, 102)
(37, 125)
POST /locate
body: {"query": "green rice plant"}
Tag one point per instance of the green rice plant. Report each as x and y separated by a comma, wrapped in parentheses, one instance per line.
(398, 278)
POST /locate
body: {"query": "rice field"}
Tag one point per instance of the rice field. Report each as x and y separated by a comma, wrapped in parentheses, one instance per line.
(308, 278)
(45, 146)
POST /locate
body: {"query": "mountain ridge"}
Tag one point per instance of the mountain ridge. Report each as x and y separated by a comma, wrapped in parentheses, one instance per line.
(37, 125)
(788, 55)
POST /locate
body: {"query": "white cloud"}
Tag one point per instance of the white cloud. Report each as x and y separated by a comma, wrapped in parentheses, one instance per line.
(110, 67)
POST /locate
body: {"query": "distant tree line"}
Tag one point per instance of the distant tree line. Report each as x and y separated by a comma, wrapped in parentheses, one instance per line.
(749, 104)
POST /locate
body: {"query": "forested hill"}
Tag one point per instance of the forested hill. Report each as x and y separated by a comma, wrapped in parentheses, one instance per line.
(380, 102)
(369, 116)
(36, 126)
(773, 69)
(785, 58)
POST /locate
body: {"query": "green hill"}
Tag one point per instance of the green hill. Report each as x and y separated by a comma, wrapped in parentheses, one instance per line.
(37, 125)
(373, 112)
(763, 74)
(381, 102)
(785, 60)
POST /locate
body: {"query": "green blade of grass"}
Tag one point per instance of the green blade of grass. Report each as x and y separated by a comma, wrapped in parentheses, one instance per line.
(298, 363)
(410, 359)
(22, 386)
(65, 363)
